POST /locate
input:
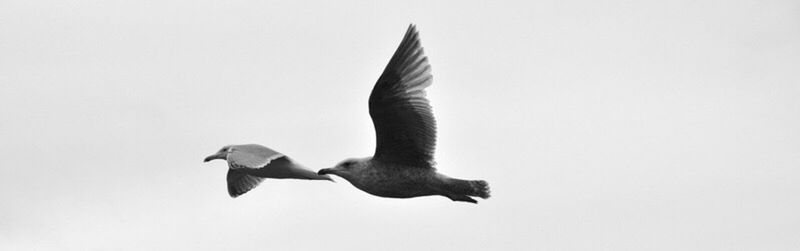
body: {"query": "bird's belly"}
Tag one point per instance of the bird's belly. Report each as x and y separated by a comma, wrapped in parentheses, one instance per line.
(397, 185)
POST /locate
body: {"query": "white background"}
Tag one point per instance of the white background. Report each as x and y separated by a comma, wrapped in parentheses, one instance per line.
(617, 125)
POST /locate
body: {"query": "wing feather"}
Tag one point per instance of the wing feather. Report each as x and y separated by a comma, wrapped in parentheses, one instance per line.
(404, 124)
(239, 182)
(252, 156)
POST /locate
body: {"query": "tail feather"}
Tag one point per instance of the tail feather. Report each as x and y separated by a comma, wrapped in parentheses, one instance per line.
(309, 175)
(285, 168)
(461, 189)
(480, 188)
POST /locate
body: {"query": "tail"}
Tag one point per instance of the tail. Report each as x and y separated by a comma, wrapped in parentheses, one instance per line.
(461, 190)
(480, 188)
(309, 175)
(285, 168)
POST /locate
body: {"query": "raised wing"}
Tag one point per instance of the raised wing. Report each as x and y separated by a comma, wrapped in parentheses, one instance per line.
(404, 125)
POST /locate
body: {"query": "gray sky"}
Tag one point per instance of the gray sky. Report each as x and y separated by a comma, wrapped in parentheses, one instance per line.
(617, 125)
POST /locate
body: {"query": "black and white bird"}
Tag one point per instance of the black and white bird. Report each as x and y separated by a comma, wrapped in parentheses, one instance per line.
(402, 166)
(250, 164)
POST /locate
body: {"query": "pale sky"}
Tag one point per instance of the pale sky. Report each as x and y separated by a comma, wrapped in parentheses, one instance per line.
(600, 125)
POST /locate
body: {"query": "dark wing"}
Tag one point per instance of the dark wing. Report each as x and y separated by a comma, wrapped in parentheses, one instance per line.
(404, 125)
(240, 182)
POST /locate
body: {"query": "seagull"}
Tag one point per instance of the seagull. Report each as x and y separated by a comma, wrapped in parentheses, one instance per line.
(403, 166)
(250, 164)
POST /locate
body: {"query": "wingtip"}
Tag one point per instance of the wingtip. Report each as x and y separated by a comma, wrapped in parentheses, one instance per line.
(412, 29)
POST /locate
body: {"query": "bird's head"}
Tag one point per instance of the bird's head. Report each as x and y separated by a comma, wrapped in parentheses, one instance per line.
(221, 154)
(346, 168)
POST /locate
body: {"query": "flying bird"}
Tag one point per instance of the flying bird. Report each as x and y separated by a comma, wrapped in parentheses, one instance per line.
(402, 166)
(250, 164)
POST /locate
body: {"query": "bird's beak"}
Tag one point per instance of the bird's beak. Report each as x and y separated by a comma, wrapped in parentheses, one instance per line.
(325, 171)
(219, 155)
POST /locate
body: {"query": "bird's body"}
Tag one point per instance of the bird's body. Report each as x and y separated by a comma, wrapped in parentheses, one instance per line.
(393, 180)
(250, 164)
(283, 173)
(401, 181)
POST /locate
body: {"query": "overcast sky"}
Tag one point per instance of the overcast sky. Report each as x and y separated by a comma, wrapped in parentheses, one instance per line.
(616, 125)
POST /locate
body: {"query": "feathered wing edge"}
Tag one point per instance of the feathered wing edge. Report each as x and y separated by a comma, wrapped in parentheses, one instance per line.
(240, 182)
(404, 124)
